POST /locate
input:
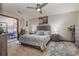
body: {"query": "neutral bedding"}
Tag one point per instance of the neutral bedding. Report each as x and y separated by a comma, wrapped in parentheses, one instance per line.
(35, 39)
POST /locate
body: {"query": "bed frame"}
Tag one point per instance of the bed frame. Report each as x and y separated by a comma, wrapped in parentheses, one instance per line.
(44, 27)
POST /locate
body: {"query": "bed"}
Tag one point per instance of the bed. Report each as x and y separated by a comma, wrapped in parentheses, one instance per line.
(40, 38)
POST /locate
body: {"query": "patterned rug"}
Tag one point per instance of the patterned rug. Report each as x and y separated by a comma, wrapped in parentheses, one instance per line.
(53, 49)
(63, 49)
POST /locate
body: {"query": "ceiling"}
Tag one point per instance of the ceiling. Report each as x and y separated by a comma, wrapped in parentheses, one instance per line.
(49, 9)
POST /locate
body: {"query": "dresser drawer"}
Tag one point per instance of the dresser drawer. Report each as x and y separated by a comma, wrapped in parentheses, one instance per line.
(76, 31)
(55, 37)
(76, 37)
(77, 27)
(77, 42)
(3, 45)
(0, 50)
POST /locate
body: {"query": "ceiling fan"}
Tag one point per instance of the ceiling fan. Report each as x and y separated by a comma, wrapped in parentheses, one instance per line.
(38, 7)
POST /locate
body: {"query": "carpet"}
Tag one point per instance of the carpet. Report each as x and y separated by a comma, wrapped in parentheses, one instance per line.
(63, 49)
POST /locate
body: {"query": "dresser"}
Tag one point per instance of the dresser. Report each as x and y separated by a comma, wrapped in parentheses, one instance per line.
(77, 35)
(3, 45)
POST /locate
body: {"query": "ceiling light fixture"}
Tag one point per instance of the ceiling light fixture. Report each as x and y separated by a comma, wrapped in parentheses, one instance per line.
(38, 9)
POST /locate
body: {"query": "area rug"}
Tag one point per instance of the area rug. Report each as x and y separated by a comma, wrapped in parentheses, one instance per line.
(63, 49)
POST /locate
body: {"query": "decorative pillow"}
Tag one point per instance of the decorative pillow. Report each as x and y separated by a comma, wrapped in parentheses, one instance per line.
(40, 33)
(47, 32)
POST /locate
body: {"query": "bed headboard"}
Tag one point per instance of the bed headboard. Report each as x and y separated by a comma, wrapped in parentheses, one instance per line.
(44, 27)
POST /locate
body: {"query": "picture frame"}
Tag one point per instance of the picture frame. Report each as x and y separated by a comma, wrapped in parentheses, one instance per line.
(43, 20)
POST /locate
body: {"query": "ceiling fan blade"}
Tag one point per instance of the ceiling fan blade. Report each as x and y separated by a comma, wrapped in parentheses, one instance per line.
(32, 7)
(38, 5)
(44, 4)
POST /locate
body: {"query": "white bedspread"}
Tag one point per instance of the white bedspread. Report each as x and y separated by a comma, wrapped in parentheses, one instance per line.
(34, 39)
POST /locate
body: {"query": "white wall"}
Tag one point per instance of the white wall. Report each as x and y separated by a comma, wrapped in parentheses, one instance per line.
(78, 18)
(33, 24)
(59, 23)
(22, 23)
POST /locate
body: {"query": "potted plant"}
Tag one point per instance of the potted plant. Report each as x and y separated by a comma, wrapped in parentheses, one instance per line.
(72, 30)
(1, 30)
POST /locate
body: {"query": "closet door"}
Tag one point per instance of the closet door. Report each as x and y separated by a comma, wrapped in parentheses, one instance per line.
(77, 35)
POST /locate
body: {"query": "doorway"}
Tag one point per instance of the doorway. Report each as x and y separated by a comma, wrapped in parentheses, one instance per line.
(10, 26)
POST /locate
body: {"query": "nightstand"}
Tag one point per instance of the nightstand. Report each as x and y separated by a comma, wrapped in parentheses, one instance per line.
(55, 37)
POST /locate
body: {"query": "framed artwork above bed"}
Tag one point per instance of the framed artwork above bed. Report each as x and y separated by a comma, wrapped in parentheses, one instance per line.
(43, 20)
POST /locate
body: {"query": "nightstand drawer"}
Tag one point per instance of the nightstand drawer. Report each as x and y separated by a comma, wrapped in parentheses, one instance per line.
(55, 37)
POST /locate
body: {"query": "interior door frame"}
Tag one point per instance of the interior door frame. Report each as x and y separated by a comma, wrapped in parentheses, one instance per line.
(17, 23)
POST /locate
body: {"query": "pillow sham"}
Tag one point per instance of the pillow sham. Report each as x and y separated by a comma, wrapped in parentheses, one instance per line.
(47, 32)
(43, 33)
(40, 33)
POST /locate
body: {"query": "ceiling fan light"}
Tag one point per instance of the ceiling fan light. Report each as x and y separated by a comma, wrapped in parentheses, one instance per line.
(38, 9)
